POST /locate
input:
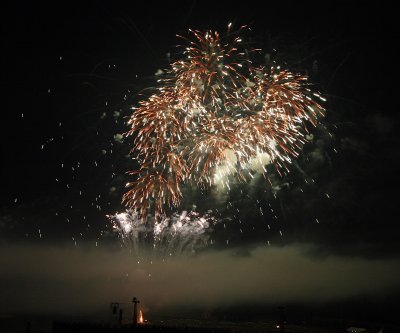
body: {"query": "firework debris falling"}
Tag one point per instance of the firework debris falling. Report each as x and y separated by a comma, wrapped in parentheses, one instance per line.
(216, 115)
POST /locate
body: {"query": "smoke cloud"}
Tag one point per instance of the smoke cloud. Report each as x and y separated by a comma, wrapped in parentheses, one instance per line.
(47, 279)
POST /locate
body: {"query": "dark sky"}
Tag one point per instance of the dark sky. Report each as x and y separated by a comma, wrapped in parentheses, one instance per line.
(70, 72)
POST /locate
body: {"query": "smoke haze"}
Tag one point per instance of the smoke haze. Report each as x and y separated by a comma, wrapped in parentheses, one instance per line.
(62, 280)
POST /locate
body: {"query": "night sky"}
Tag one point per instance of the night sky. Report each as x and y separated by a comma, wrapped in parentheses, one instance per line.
(70, 75)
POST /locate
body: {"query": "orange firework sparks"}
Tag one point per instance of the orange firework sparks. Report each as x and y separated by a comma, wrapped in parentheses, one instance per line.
(215, 113)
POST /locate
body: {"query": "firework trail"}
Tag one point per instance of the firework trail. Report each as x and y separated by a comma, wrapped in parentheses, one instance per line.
(178, 234)
(216, 115)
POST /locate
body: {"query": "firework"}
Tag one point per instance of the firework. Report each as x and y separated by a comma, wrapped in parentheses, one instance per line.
(177, 234)
(215, 115)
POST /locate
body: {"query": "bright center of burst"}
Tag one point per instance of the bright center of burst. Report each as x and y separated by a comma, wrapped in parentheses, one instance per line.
(229, 167)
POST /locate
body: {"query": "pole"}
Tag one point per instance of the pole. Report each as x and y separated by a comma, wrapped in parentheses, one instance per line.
(135, 302)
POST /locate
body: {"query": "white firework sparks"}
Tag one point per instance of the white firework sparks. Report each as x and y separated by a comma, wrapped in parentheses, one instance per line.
(181, 233)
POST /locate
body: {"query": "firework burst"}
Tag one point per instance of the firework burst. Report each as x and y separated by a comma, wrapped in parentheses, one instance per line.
(180, 233)
(215, 114)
